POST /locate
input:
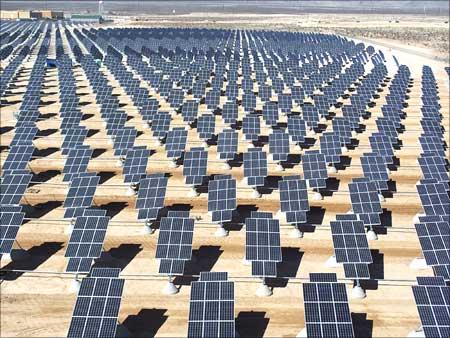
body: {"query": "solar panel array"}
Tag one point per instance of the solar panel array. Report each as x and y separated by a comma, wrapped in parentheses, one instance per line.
(291, 87)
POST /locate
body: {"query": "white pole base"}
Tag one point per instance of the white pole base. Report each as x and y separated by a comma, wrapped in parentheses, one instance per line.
(296, 233)
(205, 145)
(221, 232)
(263, 291)
(147, 230)
(256, 194)
(145, 126)
(226, 166)
(354, 133)
(317, 196)
(68, 230)
(371, 235)
(381, 198)
(331, 170)
(193, 192)
(279, 215)
(416, 334)
(173, 164)
(418, 263)
(110, 142)
(75, 285)
(170, 289)
(344, 150)
(118, 163)
(416, 218)
(311, 133)
(358, 292)
(303, 333)
(246, 262)
(130, 192)
(332, 263)
(279, 167)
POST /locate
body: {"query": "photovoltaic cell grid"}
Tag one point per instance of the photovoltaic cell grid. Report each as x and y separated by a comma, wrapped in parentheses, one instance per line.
(294, 199)
(263, 245)
(151, 195)
(365, 201)
(211, 311)
(10, 221)
(227, 144)
(77, 161)
(315, 169)
(279, 146)
(18, 157)
(375, 170)
(13, 186)
(434, 167)
(433, 305)
(327, 313)
(434, 238)
(87, 238)
(255, 166)
(81, 194)
(97, 306)
(135, 165)
(176, 142)
(174, 244)
(195, 164)
(251, 127)
(434, 197)
(330, 146)
(221, 195)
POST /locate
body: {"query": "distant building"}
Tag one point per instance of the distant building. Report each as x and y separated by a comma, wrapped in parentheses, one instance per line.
(90, 18)
(36, 15)
(24, 15)
(9, 15)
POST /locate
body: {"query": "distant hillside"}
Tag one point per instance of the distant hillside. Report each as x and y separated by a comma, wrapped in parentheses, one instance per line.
(436, 7)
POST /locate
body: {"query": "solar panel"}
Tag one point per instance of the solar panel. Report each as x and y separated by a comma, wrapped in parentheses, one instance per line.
(81, 194)
(294, 199)
(73, 138)
(13, 187)
(342, 128)
(434, 238)
(195, 166)
(77, 161)
(251, 127)
(189, 111)
(97, 306)
(87, 238)
(430, 280)
(206, 126)
(330, 146)
(365, 201)
(135, 165)
(123, 140)
(211, 311)
(18, 157)
(255, 167)
(315, 169)
(382, 145)
(433, 167)
(356, 271)
(230, 112)
(263, 245)
(176, 142)
(327, 313)
(10, 222)
(434, 197)
(227, 144)
(432, 144)
(174, 243)
(433, 303)
(160, 124)
(296, 129)
(279, 145)
(222, 198)
(211, 276)
(24, 133)
(375, 170)
(270, 113)
(151, 195)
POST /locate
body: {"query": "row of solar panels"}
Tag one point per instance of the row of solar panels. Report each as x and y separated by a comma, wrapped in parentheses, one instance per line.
(211, 312)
